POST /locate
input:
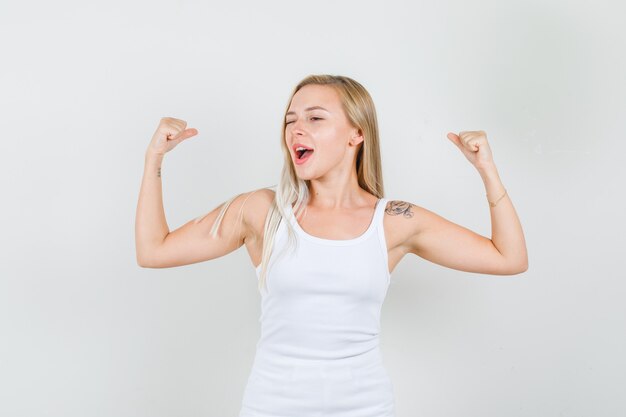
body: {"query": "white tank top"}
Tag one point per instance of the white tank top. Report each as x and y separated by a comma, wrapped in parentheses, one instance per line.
(318, 353)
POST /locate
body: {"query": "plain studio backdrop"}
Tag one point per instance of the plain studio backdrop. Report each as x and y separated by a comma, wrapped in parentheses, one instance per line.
(85, 331)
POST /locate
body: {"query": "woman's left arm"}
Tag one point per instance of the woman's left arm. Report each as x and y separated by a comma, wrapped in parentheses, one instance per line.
(506, 231)
(441, 241)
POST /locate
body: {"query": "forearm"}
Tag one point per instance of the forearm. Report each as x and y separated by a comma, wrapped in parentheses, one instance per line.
(150, 223)
(506, 230)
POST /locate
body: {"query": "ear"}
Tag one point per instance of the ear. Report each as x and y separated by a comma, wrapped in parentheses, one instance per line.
(357, 138)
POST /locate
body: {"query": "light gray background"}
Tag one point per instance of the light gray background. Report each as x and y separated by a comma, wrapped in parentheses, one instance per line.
(87, 332)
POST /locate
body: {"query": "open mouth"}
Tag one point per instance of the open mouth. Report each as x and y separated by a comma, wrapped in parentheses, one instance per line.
(302, 155)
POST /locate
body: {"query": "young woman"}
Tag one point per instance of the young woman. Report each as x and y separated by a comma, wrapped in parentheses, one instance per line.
(324, 244)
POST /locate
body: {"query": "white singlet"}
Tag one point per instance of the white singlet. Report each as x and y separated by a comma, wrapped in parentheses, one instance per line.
(318, 354)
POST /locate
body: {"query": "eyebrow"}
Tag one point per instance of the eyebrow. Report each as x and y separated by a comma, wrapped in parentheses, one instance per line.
(307, 109)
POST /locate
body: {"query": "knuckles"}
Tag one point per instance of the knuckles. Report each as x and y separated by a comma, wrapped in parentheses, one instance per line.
(171, 124)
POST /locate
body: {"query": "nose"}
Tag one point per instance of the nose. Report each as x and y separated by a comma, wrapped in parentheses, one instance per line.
(295, 128)
(295, 125)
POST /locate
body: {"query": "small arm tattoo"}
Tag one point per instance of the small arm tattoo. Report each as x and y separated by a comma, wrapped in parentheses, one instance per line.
(159, 172)
(396, 207)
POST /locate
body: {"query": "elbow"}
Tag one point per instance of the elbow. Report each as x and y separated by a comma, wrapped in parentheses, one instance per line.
(524, 266)
(513, 267)
(144, 264)
(521, 268)
(151, 262)
(143, 261)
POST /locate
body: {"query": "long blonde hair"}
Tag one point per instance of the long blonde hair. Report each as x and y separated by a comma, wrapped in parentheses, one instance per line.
(361, 113)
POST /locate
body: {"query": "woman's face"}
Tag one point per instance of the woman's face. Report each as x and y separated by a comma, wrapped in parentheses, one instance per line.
(316, 120)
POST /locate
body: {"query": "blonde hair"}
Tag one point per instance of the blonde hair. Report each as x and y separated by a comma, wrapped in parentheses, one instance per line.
(361, 113)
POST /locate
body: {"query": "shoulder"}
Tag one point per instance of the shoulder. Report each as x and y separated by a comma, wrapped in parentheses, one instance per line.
(403, 220)
(401, 208)
(260, 196)
(257, 204)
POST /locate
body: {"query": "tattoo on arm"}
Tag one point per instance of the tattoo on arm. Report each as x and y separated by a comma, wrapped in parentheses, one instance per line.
(397, 207)
(159, 172)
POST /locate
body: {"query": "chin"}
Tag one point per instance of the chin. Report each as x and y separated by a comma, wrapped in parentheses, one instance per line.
(305, 176)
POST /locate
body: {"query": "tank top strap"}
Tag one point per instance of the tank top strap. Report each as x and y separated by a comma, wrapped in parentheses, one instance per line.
(380, 232)
(380, 212)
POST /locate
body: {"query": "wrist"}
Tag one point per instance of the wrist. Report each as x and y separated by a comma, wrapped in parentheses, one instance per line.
(488, 172)
(151, 156)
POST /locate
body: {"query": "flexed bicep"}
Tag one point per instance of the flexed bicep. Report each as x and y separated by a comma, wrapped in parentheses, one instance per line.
(448, 244)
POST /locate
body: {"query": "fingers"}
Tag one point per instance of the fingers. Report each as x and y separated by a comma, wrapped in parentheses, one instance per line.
(455, 139)
(176, 129)
(184, 134)
(471, 139)
(187, 133)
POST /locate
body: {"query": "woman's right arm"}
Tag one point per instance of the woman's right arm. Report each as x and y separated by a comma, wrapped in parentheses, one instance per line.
(150, 224)
(156, 246)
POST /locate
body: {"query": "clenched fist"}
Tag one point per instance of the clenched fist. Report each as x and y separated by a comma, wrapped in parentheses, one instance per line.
(168, 134)
(473, 144)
